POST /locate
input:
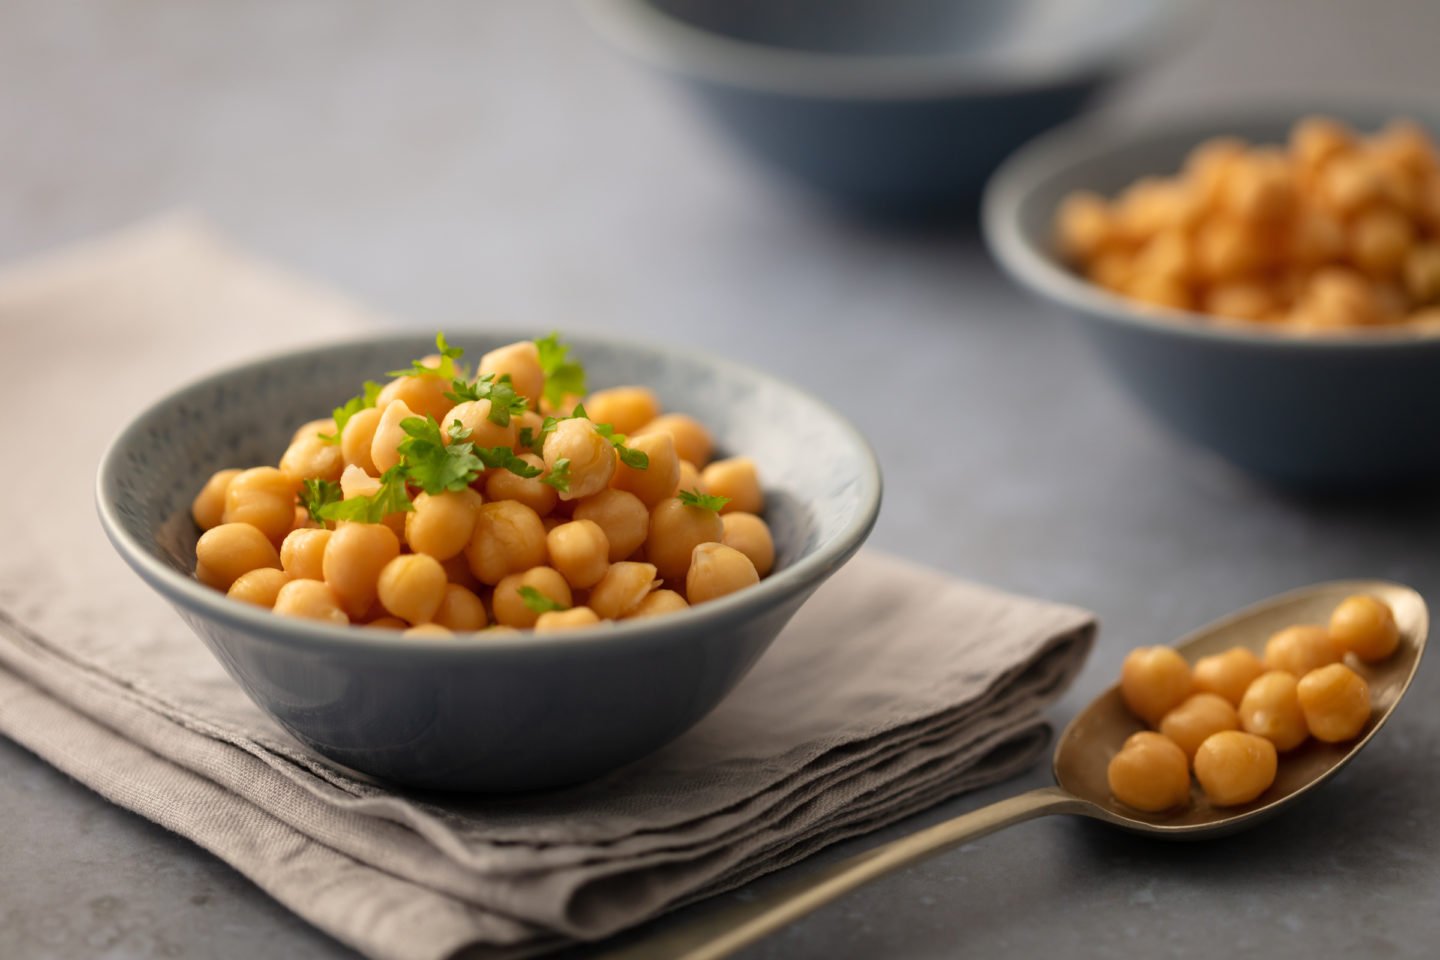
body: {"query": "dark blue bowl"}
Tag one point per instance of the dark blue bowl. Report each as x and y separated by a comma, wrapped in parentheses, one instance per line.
(1339, 412)
(891, 107)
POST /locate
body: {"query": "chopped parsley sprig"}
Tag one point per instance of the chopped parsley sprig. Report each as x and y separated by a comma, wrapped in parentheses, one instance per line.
(504, 401)
(447, 369)
(705, 501)
(563, 376)
(392, 497)
(349, 408)
(538, 602)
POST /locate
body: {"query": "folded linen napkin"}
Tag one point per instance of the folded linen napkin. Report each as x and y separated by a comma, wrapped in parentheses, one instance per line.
(894, 688)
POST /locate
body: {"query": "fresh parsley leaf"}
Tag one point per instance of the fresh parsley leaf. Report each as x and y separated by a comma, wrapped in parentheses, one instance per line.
(504, 401)
(392, 497)
(319, 493)
(432, 465)
(462, 391)
(563, 376)
(349, 408)
(705, 501)
(538, 602)
(559, 475)
(527, 438)
(506, 459)
(458, 430)
(446, 369)
(634, 459)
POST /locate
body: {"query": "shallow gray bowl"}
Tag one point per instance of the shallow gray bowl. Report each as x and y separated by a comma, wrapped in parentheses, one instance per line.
(897, 108)
(1343, 412)
(517, 711)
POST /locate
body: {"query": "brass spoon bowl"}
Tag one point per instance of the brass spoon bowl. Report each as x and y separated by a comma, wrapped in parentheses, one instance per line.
(1081, 759)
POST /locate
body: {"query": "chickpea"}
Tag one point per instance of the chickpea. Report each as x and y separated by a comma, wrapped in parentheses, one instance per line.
(457, 571)
(1226, 250)
(1227, 674)
(309, 457)
(259, 587)
(423, 395)
(1150, 773)
(1083, 226)
(1194, 720)
(1380, 241)
(658, 603)
(1350, 183)
(1271, 709)
(357, 438)
(676, 529)
(1260, 190)
(1365, 627)
(751, 536)
(1235, 767)
(1422, 273)
(1406, 144)
(1160, 291)
(1316, 238)
(521, 361)
(442, 523)
(576, 618)
(622, 589)
(1114, 271)
(388, 623)
(1154, 681)
(429, 630)
(352, 562)
(1337, 297)
(384, 448)
(692, 440)
(411, 587)
(208, 507)
(737, 479)
(1210, 164)
(1241, 299)
(580, 551)
(310, 600)
(690, 478)
(510, 607)
(355, 482)
(534, 492)
(303, 552)
(627, 409)
(591, 456)
(303, 521)
(461, 610)
(1300, 649)
(1336, 702)
(621, 515)
(474, 415)
(716, 571)
(1314, 140)
(508, 538)
(264, 498)
(225, 553)
(660, 479)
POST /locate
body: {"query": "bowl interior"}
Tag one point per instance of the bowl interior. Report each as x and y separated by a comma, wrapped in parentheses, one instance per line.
(821, 481)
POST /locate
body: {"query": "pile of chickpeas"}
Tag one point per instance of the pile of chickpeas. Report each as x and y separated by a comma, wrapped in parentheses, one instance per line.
(619, 543)
(1331, 232)
(1231, 715)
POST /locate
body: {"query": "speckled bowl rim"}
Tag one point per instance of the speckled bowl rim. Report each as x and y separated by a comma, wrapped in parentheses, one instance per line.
(1053, 155)
(807, 572)
(647, 33)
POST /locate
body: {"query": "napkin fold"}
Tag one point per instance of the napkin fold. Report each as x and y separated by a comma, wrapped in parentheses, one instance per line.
(895, 687)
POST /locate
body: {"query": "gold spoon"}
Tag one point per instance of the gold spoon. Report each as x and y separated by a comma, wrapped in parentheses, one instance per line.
(1081, 759)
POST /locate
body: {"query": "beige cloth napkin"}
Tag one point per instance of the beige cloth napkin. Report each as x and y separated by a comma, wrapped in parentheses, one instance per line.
(895, 687)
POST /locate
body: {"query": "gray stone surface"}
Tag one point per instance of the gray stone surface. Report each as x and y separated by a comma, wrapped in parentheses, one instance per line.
(467, 162)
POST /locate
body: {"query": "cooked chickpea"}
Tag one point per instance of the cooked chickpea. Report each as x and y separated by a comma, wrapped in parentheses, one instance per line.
(1314, 140)
(208, 507)
(580, 551)
(1241, 299)
(264, 498)
(310, 600)
(1227, 674)
(303, 521)
(423, 395)
(1154, 681)
(461, 610)
(429, 630)
(591, 456)
(622, 589)
(224, 553)
(1380, 241)
(659, 479)
(355, 482)
(1336, 703)
(690, 478)
(1194, 720)
(474, 415)
(676, 529)
(717, 571)
(751, 536)
(357, 438)
(457, 571)
(511, 610)
(1235, 767)
(576, 618)
(411, 587)
(508, 538)
(1365, 627)
(1271, 709)
(309, 457)
(1150, 773)
(1300, 649)
(1083, 225)
(627, 409)
(302, 554)
(621, 515)
(384, 447)
(521, 362)
(692, 440)
(387, 623)
(442, 523)
(352, 562)
(534, 492)
(657, 603)
(259, 587)
(737, 479)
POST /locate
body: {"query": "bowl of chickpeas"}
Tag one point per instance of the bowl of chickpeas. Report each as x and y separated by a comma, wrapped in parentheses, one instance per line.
(501, 564)
(1268, 286)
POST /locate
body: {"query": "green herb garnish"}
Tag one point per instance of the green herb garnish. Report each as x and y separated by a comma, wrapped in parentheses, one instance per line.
(392, 497)
(705, 501)
(563, 376)
(430, 463)
(349, 408)
(447, 368)
(504, 401)
(506, 459)
(317, 494)
(634, 459)
(538, 602)
(559, 475)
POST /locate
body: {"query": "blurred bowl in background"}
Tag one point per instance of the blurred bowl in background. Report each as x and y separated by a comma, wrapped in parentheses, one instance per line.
(892, 107)
(1337, 411)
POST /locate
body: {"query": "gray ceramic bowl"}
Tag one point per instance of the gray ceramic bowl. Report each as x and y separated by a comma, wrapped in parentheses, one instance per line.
(892, 107)
(1339, 412)
(513, 712)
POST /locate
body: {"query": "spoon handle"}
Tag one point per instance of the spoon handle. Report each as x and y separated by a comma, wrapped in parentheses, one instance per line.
(722, 932)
